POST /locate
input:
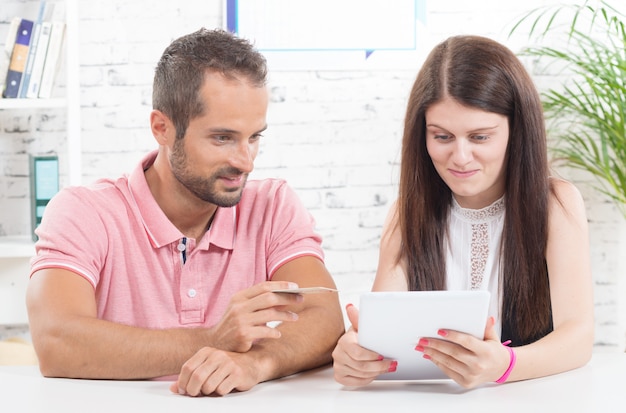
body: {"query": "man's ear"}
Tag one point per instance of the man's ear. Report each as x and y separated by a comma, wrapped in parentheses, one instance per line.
(162, 127)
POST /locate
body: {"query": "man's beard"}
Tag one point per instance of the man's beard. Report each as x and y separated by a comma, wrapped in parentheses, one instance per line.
(205, 188)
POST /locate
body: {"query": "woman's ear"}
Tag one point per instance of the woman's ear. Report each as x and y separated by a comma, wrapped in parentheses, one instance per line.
(162, 128)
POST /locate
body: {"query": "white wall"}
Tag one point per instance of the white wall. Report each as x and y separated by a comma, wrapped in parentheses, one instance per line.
(334, 135)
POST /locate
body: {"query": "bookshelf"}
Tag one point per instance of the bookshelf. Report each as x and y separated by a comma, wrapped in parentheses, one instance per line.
(16, 251)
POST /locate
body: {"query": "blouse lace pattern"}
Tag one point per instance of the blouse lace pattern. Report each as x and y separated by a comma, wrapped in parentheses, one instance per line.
(479, 220)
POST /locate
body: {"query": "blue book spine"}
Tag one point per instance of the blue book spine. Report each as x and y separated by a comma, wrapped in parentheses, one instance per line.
(17, 65)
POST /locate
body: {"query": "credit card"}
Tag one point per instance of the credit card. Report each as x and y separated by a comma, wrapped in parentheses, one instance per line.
(307, 290)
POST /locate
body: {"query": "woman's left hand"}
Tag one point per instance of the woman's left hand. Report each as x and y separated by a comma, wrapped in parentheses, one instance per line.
(465, 359)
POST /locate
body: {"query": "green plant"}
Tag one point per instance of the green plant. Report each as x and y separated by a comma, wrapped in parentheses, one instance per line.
(586, 115)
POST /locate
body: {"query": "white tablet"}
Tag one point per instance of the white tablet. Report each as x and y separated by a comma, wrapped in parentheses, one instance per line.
(391, 324)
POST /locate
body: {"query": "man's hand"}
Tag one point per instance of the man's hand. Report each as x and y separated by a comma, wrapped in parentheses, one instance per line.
(215, 372)
(245, 320)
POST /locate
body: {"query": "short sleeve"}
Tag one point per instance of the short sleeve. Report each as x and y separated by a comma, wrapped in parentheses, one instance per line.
(71, 235)
(290, 228)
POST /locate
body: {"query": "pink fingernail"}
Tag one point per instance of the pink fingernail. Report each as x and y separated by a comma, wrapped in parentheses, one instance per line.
(393, 366)
(423, 342)
(380, 358)
(442, 333)
(426, 356)
(419, 348)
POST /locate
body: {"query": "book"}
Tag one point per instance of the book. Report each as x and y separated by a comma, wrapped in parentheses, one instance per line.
(18, 59)
(5, 53)
(32, 88)
(53, 59)
(45, 10)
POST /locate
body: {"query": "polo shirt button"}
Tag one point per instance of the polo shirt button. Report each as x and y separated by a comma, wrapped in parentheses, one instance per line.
(181, 247)
(191, 293)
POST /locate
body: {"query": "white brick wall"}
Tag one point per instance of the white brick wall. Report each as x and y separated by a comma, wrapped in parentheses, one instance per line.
(334, 136)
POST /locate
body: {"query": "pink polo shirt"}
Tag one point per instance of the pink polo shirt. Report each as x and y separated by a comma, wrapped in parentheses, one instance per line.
(115, 236)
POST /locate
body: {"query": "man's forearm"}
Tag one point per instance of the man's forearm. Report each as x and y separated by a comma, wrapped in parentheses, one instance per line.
(98, 349)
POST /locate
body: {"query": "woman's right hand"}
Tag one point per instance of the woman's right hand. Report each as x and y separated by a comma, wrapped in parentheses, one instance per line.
(355, 365)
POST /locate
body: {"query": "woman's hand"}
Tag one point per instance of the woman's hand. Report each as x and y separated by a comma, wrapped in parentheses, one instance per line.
(465, 359)
(353, 364)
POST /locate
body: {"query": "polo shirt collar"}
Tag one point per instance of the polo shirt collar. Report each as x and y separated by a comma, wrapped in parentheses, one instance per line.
(160, 229)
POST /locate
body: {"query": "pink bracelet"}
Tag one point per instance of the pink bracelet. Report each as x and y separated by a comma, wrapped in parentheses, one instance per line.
(508, 371)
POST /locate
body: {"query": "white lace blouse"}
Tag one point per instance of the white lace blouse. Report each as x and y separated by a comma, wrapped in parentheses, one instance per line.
(472, 256)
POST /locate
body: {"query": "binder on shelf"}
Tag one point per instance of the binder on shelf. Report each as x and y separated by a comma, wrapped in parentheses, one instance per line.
(19, 55)
(30, 59)
(44, 184)
(53, 59)
(5, 54)
(38, 46)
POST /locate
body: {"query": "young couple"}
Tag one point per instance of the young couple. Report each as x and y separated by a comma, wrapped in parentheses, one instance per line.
(172, 269)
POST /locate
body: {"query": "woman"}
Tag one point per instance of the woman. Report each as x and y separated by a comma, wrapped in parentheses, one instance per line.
(478, 209)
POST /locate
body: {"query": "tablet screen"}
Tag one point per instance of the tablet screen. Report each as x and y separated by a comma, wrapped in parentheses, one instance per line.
(391, 324)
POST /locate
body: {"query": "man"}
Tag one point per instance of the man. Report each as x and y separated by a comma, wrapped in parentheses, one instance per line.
(171, 270)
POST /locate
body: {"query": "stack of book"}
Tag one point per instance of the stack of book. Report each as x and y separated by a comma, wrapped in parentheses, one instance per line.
(32, 54)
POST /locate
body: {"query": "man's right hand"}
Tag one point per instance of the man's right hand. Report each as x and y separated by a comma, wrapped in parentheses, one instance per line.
(249, 311)
(215, 372)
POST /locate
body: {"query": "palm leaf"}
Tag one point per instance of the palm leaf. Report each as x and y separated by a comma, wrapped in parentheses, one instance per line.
(586, 115)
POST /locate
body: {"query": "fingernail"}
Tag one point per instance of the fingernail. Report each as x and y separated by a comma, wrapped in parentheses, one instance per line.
(426, 356)
(423, 342)
(419, 348)
(442, 333)
(380, 358)
(393, 366)
(181, 391)
(349, 305)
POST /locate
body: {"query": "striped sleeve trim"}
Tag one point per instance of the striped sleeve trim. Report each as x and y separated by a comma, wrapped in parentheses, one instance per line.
(65, 266)
(292, 257)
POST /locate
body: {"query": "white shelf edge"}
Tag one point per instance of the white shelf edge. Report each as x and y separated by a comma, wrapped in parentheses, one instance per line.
(16, 247)
(32, 103)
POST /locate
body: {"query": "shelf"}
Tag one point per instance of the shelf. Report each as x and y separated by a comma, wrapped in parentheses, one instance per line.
(32, 103)
(71, 99)
(16, 247)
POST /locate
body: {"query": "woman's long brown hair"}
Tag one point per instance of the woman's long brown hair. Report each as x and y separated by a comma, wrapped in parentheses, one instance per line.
(481, 73)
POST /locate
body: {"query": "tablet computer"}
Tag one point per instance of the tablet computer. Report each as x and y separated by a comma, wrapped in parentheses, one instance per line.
(391, 324)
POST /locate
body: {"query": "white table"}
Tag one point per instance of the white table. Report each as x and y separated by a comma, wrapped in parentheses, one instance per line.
(600, 386)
